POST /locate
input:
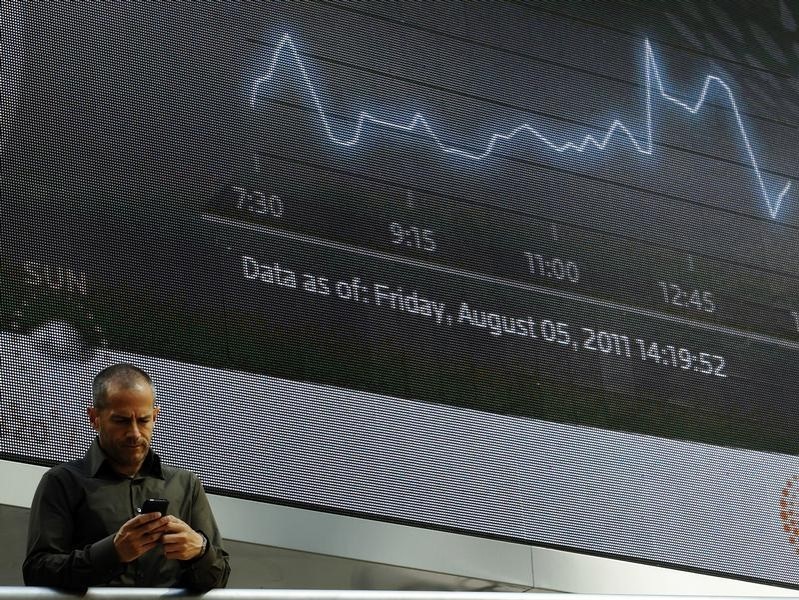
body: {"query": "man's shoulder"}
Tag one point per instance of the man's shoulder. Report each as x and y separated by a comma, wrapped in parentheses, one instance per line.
(64, 475)
(171, 472)
(70, 468)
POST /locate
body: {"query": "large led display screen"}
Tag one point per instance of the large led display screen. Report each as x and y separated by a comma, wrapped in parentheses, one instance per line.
(518, 270)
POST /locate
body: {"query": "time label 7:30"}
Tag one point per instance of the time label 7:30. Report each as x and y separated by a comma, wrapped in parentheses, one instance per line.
(259, 202)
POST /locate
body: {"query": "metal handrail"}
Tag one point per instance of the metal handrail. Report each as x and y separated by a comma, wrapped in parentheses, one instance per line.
(132, 593)
(40, 593)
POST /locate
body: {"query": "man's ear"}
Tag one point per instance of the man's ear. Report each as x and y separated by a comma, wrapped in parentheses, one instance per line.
(92, 413)
(156, 410)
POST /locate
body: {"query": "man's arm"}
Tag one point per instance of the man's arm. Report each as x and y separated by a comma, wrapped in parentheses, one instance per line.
(51, 560)
(212, 567)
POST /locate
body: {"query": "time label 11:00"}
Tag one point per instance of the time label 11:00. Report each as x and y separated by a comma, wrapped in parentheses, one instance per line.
(552, 267)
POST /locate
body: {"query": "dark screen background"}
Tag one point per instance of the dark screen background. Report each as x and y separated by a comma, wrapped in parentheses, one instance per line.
(457, 238)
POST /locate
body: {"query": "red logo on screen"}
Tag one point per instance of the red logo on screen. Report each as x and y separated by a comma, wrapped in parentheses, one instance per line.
(789, 510)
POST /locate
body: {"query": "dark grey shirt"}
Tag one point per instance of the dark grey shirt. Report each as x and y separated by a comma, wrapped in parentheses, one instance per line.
(80, 505)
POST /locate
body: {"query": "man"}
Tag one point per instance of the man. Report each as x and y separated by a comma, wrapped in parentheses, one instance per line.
(85, 529)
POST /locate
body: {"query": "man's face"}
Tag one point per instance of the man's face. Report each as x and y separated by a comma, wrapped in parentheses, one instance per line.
(125, 425)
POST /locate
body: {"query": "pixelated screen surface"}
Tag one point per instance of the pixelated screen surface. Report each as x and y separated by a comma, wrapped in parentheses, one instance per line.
(526, 271)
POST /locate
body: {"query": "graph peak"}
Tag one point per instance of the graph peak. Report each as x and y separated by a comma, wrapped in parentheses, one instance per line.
(654, 87)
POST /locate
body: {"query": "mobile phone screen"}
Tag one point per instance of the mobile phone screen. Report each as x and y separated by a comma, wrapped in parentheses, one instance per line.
(154, 505)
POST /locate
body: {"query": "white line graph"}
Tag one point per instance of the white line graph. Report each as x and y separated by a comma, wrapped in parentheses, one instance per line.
(418, 123)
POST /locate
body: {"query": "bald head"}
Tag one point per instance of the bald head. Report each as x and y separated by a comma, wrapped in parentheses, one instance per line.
(120, 376)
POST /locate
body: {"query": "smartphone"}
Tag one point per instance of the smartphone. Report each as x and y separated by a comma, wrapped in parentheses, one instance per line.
(155, 505)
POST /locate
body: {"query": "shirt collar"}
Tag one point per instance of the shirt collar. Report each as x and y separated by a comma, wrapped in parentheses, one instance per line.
(97, 462)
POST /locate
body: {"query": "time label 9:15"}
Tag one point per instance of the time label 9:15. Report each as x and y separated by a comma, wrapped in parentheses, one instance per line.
(412, 236)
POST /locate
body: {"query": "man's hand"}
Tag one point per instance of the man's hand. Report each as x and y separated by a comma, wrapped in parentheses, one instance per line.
(138, 535)
(180, 541)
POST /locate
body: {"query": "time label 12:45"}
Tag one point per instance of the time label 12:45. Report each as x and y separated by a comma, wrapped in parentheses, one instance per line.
(675, 294)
